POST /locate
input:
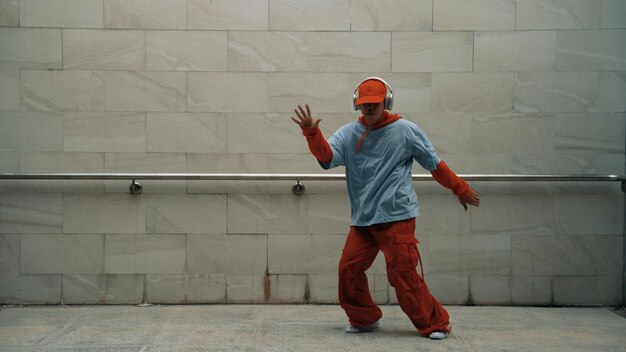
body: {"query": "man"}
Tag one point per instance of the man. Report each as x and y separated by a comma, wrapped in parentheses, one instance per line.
(377, 151)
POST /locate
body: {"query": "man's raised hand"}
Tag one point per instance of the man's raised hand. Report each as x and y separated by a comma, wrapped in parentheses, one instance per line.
(304, 117)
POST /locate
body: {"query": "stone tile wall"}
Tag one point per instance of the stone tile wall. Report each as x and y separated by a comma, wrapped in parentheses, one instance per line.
(499, 86)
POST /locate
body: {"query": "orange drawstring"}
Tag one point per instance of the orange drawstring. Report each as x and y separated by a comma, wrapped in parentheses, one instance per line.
(363, 136)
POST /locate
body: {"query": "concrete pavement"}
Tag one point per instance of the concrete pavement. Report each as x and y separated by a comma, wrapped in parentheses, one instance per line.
(301, 328)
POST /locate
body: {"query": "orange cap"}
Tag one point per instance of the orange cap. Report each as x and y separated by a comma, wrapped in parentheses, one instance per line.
(372, 91)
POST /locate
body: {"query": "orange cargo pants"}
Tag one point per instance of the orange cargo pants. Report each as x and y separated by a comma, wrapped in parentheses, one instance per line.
(398, 243)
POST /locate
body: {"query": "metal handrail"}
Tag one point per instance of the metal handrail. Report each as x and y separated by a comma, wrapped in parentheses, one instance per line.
(278, 177)
(298, 188)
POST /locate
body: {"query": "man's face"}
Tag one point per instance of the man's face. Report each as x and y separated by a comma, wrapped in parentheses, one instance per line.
(373, 113)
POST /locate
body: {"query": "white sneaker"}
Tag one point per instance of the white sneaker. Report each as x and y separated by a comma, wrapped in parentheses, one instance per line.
(438, 335)
(350, 329)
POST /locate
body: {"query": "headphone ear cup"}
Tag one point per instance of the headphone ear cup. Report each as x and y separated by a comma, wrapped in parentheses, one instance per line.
(354, 99)
(389, 101)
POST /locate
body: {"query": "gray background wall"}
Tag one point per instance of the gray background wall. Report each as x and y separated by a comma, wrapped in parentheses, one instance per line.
(500, 86)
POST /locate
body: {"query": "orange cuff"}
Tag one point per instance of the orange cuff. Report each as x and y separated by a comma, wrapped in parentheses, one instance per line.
(318, 145)
(450, 180)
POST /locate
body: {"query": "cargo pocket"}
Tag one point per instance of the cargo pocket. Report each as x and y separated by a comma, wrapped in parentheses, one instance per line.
(407, 255)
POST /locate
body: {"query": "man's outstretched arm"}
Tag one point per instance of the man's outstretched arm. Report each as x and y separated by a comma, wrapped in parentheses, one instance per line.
(459, 187)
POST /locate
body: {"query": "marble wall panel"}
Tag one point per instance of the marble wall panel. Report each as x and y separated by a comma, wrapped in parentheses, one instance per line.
(9, 161)
(612, 15)
(186, 213)
(531, 290)
(486, 254)
(31, 131)
(245, 289)
(9, 86)
(303, 164)
(125, 289)
(145, 14)
(592, 50)
(186, 51)
(309, 15)
(309, 51)
(164, 288)
(10, 254)
(62, 13)
(31, 213)
(449, 289)
(324, 92)
(9, 13)
(31, 289)
(611, 91)
(558, 14)
(490, 289)
(473, 14)
(103, 213)
(288, 289)
(186, 132)
(514, 133)
(62, 90)
(599, 290)
(449, 133)
(599, 215)
(472, 92)
(598, 133)
(227, 92)
(441, 215)
(104, 132)
(93, 49)
(610, 164)
(62, 162)
(552, 163)
(514, 215)
(515, 51)
(391, 15)
(258, 213)
(35, 48)
(324, 288)
(62, 254)
(145, 254)
(476, 254)
(304, 254)
(379, 288)
(329, 213)
(227, 163)
(445, 254)
(206, 288)
(146, 162)
(227, 254)
(555, 91)
(567, 255)
(227, 14)
(265, 51)
(84, 289)
(248, 133)
(432, 51)
(478, 163)
(145, 91)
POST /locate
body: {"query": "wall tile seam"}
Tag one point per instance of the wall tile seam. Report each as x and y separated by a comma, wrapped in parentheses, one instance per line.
(187, 72)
